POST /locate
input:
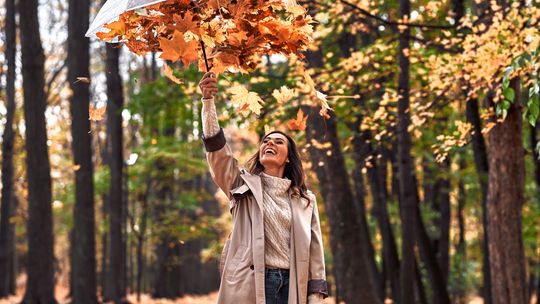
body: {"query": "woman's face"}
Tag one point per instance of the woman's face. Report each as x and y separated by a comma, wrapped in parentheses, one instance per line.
(274, 150)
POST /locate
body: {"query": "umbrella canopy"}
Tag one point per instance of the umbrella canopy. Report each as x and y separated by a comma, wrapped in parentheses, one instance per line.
(112, 9)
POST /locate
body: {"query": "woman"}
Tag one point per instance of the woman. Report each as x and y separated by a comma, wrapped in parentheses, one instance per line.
(274, 253)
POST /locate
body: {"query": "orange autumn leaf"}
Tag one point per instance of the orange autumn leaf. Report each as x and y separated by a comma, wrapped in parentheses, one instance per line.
(186, 24)
(96, 114)
(168, 72)
(116, 28)
(299, 123)
(177, 49)
(226, 27)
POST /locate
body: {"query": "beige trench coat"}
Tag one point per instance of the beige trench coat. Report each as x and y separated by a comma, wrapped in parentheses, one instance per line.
(242, 264)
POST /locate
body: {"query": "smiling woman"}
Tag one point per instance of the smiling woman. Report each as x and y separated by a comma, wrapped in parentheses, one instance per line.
(274, 253)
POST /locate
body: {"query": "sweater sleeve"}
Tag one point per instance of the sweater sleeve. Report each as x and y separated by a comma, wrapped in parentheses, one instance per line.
(209, 118)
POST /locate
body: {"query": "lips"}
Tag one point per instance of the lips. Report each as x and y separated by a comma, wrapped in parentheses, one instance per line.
(270, 151)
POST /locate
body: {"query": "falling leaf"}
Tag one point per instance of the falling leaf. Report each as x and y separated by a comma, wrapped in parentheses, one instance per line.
(178, 49)
(299, 123)
(248, 101)
(76, 168)
(168, 72)
(284, 94)
(96, 114)
(82, 79)
(325, 107)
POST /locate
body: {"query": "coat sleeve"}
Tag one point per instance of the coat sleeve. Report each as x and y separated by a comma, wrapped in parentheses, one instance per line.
(317, 273)
(223, 166)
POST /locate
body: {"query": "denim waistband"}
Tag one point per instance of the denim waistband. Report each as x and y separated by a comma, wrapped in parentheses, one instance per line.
(276, 270)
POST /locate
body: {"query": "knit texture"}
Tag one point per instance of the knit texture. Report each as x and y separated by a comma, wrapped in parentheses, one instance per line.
(277, 220)
(209, 118)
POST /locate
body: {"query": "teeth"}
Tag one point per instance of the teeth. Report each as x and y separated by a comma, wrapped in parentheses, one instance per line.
(270, 151)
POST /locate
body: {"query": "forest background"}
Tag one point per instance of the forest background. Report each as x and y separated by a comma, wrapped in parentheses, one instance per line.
(424, 155)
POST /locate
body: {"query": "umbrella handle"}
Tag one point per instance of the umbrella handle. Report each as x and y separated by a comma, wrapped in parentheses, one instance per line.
(204, 54)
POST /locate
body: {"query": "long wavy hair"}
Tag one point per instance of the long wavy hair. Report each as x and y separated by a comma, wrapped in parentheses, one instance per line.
(293, 169)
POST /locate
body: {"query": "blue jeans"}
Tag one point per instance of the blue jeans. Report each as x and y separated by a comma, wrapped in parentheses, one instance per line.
(276, 286)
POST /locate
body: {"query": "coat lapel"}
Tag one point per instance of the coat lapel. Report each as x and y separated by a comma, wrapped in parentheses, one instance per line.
(254, 183)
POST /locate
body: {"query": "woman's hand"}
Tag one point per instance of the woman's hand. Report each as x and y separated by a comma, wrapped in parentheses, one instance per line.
(208, 85)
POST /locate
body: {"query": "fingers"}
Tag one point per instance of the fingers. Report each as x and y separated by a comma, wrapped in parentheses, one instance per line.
(208, 81)
(208, 84)
(209, 75)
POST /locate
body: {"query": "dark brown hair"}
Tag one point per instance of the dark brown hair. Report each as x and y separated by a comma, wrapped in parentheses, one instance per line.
(293, 169)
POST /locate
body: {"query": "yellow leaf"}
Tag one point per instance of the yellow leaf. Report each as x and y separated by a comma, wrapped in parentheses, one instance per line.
(76, 168)
(284, 94)
(246, 100)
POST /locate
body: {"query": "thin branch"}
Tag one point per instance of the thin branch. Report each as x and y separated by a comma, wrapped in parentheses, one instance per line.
(54, 76)
(394, 23)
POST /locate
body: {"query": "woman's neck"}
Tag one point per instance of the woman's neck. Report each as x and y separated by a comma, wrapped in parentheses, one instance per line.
(275, 171)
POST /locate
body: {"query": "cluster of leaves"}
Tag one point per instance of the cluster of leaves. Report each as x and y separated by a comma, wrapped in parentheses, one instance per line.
(490, 56)
(235, 32)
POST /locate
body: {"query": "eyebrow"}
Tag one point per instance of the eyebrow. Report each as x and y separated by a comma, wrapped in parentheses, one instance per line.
(274, 138)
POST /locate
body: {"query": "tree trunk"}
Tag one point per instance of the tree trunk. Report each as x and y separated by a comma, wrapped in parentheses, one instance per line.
(390, 255)
(361, 151)
(443, 205)
(482, 169)
(346, 238)
(427, 254)
(7, 204)
(117, 258)
(83, 263)
(40, 283)
(407, 181)
(505, 200)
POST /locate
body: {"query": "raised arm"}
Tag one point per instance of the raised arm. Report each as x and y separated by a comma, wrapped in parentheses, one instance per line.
(223, 165)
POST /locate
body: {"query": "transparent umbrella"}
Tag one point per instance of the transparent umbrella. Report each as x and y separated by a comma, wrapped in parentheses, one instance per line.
(112, 9)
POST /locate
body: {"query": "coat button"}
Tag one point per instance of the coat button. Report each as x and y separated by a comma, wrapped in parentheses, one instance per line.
(252, 267)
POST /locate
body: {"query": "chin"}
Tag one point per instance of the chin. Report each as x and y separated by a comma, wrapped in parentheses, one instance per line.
(270, 163)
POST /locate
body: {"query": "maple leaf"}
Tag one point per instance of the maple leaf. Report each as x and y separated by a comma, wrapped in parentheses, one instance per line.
(116, 28)
(186, 23)
(299, 123)
(96, 114)
(248, 101)
(178, 49)
(168, 72)
(237, 37)
(284, 94)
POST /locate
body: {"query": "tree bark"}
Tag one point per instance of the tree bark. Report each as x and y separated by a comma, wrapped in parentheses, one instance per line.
(117, 258)
(379, 193)
(83, 263)
(346, 238)
(7, 204)
(482, 169)
(407, 181)
(505, 200)
(40, 283)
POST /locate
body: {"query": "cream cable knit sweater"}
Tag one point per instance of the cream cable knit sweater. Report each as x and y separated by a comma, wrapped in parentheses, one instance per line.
(278, 215)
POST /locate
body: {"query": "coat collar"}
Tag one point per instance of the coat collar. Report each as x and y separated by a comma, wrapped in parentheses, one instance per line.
(253, 182)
